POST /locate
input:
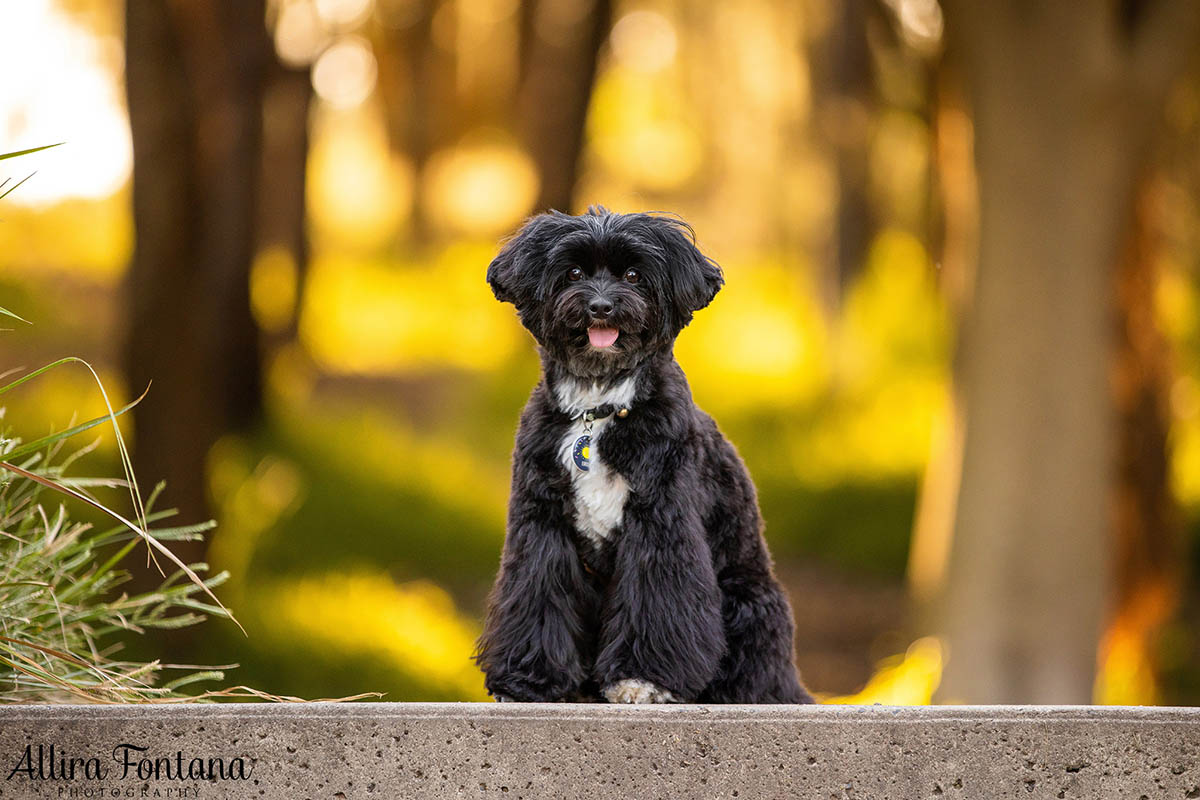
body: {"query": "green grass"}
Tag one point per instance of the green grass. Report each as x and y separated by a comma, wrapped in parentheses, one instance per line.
(61, 608)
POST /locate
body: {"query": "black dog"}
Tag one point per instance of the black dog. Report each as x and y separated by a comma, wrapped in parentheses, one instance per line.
(634, 567)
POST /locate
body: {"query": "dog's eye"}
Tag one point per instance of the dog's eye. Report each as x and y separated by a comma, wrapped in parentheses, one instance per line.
(575, 274)
(631, 275)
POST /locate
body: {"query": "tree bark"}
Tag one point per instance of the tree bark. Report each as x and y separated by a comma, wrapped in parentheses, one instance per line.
(560, 50)
(282, 220)
(417, 83)
(194, 71)
(846, 112)
(1148, 545)
(1065, 102)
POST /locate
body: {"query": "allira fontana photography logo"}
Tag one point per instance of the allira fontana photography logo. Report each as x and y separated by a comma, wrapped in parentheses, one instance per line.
(46, 762)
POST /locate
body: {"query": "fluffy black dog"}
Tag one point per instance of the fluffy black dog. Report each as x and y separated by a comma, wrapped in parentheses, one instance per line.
(634, 567)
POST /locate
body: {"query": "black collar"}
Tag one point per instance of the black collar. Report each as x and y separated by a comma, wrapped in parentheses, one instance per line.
(601, 412)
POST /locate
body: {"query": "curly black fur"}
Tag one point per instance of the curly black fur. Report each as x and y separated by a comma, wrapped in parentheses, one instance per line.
(681, 592)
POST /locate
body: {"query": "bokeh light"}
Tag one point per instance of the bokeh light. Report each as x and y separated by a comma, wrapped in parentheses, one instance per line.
(300, 35)
(480, 189)
(62, 83)
(343, 13)
(274, 285)
(641, 134)
(921, 22)
(345, 74)
(359, 191)
(644, 41)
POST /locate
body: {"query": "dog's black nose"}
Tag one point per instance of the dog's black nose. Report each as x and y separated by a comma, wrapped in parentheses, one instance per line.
(600, 307)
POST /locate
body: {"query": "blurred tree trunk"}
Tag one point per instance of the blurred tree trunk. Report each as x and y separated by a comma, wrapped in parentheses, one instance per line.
(283, 178)
(1066, 99)
(845, 77)
(1148, 545)
(560, 47)
(953, 244)
(194, 71)
(416, 81)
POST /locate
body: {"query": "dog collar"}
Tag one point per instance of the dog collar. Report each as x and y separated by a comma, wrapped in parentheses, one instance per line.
(601, 412)
(582, 451)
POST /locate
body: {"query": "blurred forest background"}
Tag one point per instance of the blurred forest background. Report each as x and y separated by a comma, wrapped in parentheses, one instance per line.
(959, 344)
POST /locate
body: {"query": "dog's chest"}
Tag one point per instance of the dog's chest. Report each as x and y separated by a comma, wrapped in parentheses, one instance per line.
(598, 493)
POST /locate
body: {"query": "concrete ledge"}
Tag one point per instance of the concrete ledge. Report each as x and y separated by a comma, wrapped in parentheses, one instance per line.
(418, 750)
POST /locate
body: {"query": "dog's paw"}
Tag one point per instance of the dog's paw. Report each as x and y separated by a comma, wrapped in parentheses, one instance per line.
(503, 698)
(635, 690)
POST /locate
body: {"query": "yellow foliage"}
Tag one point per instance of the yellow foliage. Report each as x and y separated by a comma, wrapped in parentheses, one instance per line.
(372, 317)
(273, 285)
(1127, 670)
(1185, 461)
(890, 371)
(414, 626)
(899, 165)
(884, 433)
(905, 680)
(482, 189)
(895, 321)
(639, 131)
(89, 238)
(358, 190)
(251, 498)
(1175, 302)
(761, 343)
(290, 375)
(367, 442)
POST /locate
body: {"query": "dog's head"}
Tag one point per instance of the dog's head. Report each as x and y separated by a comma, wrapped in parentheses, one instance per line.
(601, 291)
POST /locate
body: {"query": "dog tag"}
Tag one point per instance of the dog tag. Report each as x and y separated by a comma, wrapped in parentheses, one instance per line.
(582, 452)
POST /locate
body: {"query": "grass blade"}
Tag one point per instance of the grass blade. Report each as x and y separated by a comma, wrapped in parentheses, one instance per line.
(38, 444)
(30, 150)
(150, 540)
(16, 185)
(6, 313)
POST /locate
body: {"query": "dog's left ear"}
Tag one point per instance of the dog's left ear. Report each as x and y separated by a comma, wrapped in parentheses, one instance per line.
(695, 278)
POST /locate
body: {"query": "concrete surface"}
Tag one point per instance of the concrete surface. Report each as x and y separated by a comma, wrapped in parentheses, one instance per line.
(513, 751)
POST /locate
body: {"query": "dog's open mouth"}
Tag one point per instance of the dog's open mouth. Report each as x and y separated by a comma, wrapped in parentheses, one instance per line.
(602, 337)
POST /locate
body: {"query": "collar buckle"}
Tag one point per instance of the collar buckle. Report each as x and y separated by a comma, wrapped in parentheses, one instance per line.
(601, 412)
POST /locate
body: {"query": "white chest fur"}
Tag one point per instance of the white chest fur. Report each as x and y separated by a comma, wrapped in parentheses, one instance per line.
(599, 492)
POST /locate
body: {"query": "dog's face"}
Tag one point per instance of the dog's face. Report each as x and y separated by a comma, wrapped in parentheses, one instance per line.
(600, 292)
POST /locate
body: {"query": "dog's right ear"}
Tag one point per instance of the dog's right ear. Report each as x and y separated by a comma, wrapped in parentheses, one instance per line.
(516, 271)
(502, 272)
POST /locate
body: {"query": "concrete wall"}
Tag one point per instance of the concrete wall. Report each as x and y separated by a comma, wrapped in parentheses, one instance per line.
(414, 750)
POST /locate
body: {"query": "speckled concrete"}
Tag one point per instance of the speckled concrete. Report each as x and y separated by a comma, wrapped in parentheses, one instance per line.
(416, 750)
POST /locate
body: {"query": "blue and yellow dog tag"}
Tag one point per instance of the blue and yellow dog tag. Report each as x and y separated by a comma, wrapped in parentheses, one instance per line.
(582, 452)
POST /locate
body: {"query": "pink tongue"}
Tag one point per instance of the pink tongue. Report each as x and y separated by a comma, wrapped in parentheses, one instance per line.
(602, 337)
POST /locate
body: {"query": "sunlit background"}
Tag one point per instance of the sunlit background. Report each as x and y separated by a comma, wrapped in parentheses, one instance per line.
(361, 513)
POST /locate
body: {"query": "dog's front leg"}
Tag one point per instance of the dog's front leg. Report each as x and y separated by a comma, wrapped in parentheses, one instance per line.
(662, 636)
(530, 646)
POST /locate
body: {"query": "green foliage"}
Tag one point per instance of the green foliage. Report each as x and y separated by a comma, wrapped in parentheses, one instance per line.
(60, 605)
(857, 525)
